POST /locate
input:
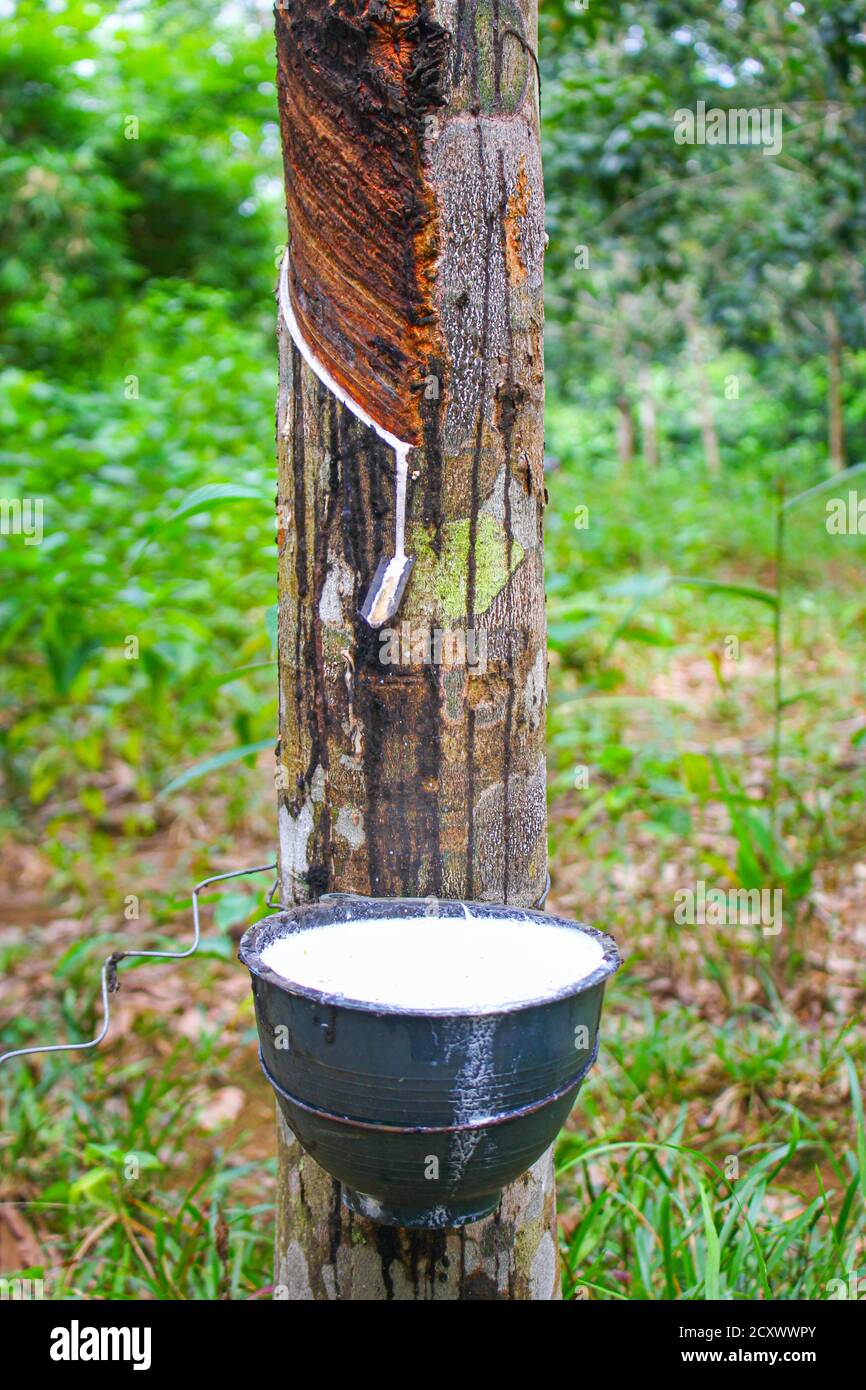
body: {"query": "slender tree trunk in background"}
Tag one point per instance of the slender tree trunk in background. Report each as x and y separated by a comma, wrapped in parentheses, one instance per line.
(624, 430)
(710, 438)
(414, 191)
(647, 415)
(835, 415)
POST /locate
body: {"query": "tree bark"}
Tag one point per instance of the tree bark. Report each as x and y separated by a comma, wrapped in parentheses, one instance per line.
(411, 759)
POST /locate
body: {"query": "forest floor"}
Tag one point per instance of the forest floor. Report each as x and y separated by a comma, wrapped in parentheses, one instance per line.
(718, 1148)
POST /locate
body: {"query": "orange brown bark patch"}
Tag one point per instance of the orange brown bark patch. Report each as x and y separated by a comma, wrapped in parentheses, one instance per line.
(515, 212)
(357, 79)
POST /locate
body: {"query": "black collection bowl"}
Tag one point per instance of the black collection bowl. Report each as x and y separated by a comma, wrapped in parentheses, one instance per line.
(422, 1115)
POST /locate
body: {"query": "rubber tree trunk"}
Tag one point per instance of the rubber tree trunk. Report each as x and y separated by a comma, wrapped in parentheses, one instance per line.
(411, 759)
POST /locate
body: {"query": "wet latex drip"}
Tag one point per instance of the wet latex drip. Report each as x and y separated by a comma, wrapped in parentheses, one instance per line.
(386, 591)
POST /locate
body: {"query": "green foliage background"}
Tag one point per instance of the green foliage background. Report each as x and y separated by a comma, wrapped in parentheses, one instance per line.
(141, 222)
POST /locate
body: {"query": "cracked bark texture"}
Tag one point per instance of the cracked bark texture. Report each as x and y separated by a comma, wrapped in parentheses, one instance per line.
(397, 774)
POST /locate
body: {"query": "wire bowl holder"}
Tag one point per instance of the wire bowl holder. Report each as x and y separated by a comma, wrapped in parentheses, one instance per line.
(110, 980)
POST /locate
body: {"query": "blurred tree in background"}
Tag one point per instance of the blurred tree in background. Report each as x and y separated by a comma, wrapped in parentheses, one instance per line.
(755, 252)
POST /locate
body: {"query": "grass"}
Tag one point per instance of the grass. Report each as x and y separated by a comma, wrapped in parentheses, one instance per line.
(127, 1215)
(717, 1149)
(762, 1205)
